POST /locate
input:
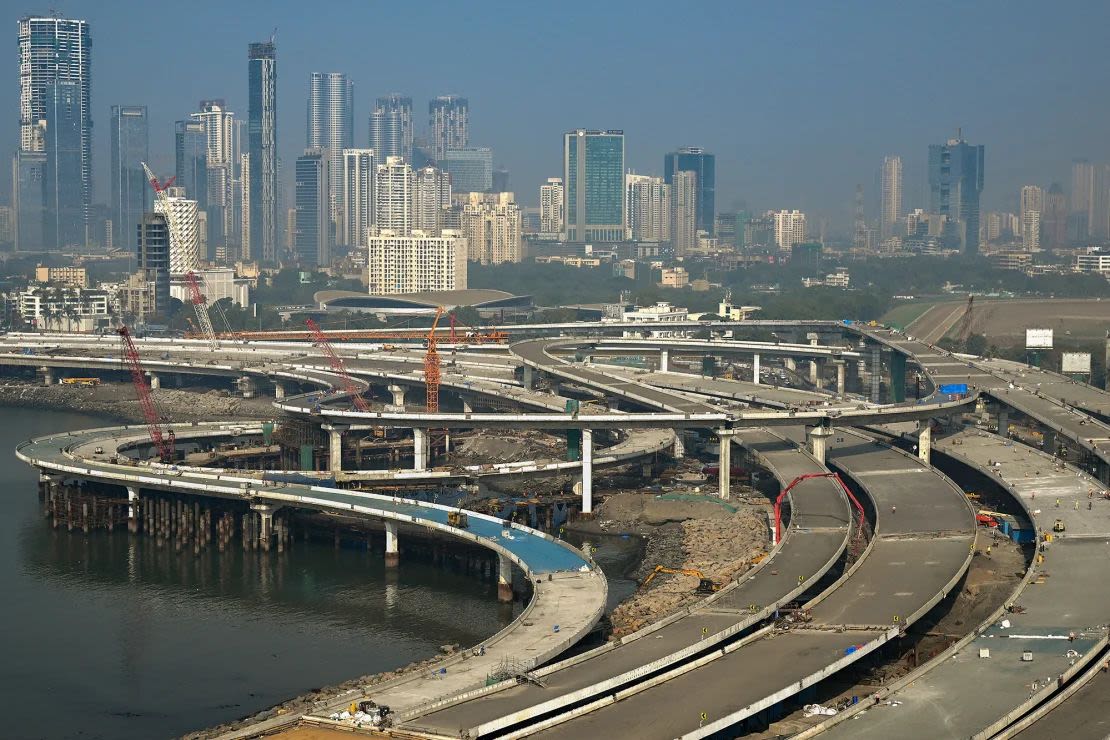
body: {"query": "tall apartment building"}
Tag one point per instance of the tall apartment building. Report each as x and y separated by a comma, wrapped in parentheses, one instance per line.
(790, 228)
(684, 196)
(55, 121)
(391, 127)
(648, 206)
(593, 177)
(704, 165)
(356, 196)
(331, 123)
(492, 224)
(431, 198)
(891, 207)
(262, 150)
(1082, 199)
(1031, 230)
(394, 195)
(191, 159)
(220, 159)
(955, 184)
(315, 232)
(415, 262)
(552, 206)
(471, 169)
(449, 121)
(153, 252)
(130, 148)
(1054, 220)
(1032, 199)
(185, 242)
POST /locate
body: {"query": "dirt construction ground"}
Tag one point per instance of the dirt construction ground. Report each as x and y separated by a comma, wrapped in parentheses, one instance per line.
(1006, 320)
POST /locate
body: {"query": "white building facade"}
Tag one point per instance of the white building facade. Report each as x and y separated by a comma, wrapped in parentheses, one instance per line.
(415, 262)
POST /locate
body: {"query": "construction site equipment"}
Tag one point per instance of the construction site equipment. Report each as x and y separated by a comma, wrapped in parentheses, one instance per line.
(200, 306)
(458, 519)
(1058, 526)
(809, 476)
(705, 585)
(162, 199)
(431, 367)
(338, 366)
(81, 381)
(163, 442)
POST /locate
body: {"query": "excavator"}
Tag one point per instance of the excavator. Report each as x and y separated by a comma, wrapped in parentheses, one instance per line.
(705, 585)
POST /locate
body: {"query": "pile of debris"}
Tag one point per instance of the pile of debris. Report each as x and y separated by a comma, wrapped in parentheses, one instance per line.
(490, 447)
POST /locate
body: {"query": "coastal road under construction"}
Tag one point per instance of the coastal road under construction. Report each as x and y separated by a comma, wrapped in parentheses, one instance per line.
(689, 675)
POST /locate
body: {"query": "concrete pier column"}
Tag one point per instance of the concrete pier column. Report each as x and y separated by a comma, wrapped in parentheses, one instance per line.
(791, 364)
(724, 460)
(981, 408)
(504, 579)
(279, 390)
(392, 551)
(529, 377)
(47, 375)
(398, 392)
(419, 449)
(679, 445)
(587, 471)
(818, 439)
(155, 381)
(335, 445)
(755, 368)
(266, 524)
(876, 373)
(246, 386)
(664, 361)
(467, 408)
(841, 377)
(924, 441)
(132, 509)
(1048, 444)
(814, 371)
(1003, 422)
(814, 338)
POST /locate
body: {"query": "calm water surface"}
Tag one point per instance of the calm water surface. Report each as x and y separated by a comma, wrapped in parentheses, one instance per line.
(107, 636)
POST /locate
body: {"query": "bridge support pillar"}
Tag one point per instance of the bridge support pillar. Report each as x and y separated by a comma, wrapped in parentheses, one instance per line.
(587, 471)
(981, 408)
(679, 445)
(724, 460)
(504, 579)
(925, 441)
(47, 375)
(876, 373)
(335, 446)
(155, 381)
(841, 377)
(1048, 443)
(467, 408)
(755, 368)
(279, 390)
(419, 449)
(529, 377)
(398, 392)
(791, 364)
(818, 438)
(266, 521)
(132, 509)
(392, 551)
(664, 361)
(1003, 422)
(246, 387)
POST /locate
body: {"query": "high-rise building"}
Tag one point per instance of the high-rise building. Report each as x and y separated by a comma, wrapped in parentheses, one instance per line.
(315, 235)
(955, 184)
(449, 121)
(394, 195)
(471, 169)
(130, 148)
(331, 123)
(29, 199)
(891, 217)
(1082, 199)
(262, 150)
(704, 165)
(684, 196)
(391, 127)
(431, 199)
(220, 158)
(790, 228)
(648, 208)
(356, 196)
(415, 262)
(593, 176)
(55, 57)
(1054, 220)
(500, 180)
(153, 252)
(552, 206)
(1032, 199)
(492, 224)
(185, 237)
(1031, 230)
(191, 156)
(1098, 221)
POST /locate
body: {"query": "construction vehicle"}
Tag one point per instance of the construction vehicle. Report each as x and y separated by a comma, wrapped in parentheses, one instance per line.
(1058, 526)
(81, 381)
(705, 585)
(458, 519)
(164, 443)
(986, 518)
(338, 366)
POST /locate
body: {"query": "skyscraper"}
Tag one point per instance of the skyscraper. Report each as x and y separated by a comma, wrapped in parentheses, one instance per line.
(331, 122)
(153, 252)
(262, 150)
(552, 206)
(704, 165)
(471, 169)
(218, 202)
(391, 121)
(431, 198)
(449, 120)
(314, 237)
(394, 186)
(955, 184)
(130, 148)
(1029, 216)
(492, 225)
(891, 217)
(356, 196)
(191, 159)
(648, 207)
(1054, 220)
(684, 196)
(593, 175)
(55, 118)
(790, 228)
(184, 250)
(29, 199)
(1032, 199)
(1082, 200)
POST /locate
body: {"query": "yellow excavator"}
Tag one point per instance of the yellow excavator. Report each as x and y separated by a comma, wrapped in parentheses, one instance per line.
(705, 585)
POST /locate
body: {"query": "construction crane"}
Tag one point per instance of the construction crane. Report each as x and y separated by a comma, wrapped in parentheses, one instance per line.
(176, 237)
(431, 367)
(338, 366)
(343, 335)
(200, 305)
(164, 442)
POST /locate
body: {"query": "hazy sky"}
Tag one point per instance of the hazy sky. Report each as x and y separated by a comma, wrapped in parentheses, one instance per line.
(799, 101)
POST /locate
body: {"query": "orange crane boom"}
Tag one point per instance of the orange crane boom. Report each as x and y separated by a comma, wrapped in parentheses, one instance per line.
(338, 366)
(431, 367)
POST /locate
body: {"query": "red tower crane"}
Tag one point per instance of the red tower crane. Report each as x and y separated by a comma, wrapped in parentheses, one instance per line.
(200, 305)
(164, 442)
(337, 365)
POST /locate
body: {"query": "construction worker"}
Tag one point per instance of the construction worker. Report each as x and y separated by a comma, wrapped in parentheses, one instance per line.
(893, 509)
(988, 551)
